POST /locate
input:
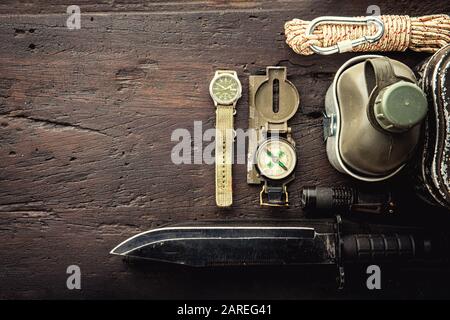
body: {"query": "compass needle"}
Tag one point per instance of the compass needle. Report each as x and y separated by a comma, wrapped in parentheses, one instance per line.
(281, 164)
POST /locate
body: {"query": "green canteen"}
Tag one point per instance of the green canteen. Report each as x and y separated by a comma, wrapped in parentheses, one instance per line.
(374, 111)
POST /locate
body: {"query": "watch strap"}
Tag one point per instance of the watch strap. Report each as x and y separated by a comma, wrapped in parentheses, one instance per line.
(224, 153)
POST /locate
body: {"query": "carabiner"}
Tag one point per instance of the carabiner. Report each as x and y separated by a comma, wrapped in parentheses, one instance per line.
(346, 45)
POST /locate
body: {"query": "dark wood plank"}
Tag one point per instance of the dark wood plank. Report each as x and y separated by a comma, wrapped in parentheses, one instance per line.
(309, 8)
(85, 123)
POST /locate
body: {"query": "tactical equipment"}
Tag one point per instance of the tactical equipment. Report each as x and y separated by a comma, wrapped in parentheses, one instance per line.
(346, 199)
(331, 34)
(310, 242)
(225, 89)
(373, 113)
(272, 158)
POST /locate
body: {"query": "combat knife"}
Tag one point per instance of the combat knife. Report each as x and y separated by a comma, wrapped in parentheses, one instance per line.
(303, 243)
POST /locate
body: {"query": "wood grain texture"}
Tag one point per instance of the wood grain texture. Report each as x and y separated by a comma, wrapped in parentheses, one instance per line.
(86, 118)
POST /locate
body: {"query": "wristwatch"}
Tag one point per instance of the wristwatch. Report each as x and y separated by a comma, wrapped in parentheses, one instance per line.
(272, 157)
(225, 89)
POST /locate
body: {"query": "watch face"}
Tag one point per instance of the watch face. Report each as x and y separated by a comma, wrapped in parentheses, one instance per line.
(225, 89)
(276, 159)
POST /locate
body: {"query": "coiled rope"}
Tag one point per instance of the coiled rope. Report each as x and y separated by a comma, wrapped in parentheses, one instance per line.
(423, 34)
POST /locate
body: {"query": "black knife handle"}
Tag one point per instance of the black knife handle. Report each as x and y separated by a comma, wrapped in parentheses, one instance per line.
(385, 248)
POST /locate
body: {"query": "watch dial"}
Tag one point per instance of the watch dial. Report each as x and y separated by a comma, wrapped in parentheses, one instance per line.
(276, 159)
(225, 89)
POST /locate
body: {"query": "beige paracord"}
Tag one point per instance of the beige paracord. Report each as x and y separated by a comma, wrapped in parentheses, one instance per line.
(423, 34)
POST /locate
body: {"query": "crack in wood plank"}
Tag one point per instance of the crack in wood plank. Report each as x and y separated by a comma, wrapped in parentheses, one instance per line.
(55, 124)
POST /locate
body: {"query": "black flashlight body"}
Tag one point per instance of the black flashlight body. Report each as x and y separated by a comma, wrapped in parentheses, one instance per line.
(347, 199)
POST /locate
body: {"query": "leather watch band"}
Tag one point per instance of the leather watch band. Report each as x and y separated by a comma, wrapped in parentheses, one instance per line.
(224, 152)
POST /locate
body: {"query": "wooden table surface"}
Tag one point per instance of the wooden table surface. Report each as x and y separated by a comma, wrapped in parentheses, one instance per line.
(86, 118)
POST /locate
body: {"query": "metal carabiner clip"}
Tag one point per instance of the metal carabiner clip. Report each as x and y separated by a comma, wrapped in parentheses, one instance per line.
(346, 45)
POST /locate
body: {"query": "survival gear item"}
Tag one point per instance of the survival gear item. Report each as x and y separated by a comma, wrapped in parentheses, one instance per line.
(344, 199)
(329, 35)
(373, 114)
(272, 158)
(434, 163)
(225, 89)
(306, 242)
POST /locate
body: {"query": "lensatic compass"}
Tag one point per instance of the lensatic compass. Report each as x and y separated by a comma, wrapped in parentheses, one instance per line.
(276, 160)
(272, 158)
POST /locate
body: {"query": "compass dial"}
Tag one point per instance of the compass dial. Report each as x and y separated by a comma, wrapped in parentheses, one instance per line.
(276, 159)
(225, 89)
